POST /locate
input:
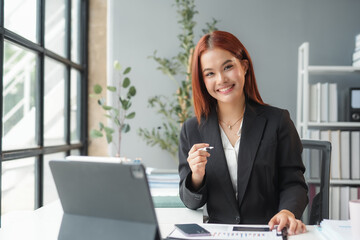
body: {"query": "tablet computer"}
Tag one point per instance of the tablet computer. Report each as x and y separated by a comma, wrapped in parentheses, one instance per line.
(113, 194)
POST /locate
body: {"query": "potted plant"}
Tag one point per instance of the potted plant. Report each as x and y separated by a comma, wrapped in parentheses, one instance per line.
(118, 114)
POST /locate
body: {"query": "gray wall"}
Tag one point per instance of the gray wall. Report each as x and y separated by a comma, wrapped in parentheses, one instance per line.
(272, 31)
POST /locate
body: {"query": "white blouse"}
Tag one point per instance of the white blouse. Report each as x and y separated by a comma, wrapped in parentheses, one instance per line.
(231, 154)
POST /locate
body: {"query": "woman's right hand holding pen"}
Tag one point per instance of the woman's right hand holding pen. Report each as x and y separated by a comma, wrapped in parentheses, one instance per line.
(197, 160)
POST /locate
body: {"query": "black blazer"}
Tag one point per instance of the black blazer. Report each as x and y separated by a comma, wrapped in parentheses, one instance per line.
(270, 168)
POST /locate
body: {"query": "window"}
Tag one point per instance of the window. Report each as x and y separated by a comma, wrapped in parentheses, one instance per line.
(43, 46)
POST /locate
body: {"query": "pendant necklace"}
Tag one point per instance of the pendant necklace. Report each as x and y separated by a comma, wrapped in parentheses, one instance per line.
(229, 126)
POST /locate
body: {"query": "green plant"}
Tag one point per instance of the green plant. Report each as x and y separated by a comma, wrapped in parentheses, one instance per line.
(117, 114)
(177, 109)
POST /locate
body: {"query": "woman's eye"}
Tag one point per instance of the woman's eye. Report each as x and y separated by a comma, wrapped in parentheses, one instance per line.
(228, 67)
(209, 74)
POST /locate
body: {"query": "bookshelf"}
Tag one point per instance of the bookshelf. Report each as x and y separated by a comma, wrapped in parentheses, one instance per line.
(306, 126)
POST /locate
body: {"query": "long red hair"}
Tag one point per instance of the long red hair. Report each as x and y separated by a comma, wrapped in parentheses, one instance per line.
(224, 40)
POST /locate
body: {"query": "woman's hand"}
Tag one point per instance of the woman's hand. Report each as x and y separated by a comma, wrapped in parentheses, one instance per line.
(285, 218)
(197, 160)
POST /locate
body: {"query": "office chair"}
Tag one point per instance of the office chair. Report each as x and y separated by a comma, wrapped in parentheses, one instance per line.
(319, 204)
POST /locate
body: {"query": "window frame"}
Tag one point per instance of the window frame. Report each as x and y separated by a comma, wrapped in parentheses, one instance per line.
(42, 52)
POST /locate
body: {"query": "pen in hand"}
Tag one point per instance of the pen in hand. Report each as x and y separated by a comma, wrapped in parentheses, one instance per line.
(206, 148)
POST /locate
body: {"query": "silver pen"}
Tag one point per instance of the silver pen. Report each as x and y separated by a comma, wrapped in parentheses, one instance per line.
(206, 148)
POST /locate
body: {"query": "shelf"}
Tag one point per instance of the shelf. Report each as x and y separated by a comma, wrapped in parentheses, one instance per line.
(333, 124)
(333, 69)
(337, 182)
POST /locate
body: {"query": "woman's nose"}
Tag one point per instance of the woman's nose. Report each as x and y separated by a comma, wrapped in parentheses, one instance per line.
(221, 78)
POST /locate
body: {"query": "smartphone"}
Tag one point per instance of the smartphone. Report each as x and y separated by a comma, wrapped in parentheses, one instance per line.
(192, 229)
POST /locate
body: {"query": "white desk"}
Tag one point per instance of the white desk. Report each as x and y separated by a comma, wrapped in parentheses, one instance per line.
(44, 223)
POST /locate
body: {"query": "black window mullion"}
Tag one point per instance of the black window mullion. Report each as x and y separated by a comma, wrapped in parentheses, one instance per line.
(34, 152)
(1, 96)
(40, 82)
(67, 104)
(84, 38)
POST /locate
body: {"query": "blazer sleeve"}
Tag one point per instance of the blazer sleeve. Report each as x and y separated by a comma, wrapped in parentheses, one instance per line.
(292, 186)
(191, 198)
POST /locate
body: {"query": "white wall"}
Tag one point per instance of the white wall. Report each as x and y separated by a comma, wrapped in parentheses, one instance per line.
(271, 30)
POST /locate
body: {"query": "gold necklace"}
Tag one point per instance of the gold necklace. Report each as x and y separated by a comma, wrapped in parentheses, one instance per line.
(231, 125)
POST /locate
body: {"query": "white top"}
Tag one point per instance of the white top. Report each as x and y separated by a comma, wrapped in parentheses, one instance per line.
(231, 154)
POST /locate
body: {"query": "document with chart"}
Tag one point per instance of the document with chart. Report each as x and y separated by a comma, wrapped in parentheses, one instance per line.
(225, 231)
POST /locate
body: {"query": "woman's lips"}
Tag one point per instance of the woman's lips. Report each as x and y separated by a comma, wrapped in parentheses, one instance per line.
(225, 89)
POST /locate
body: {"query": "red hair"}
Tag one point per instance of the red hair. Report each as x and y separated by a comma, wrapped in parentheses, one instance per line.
(224, 40)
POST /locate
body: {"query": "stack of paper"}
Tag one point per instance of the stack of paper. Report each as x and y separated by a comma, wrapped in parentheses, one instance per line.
(224, 231)
(336, 229)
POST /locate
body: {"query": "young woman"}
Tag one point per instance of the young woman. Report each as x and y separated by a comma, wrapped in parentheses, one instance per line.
(254, 172)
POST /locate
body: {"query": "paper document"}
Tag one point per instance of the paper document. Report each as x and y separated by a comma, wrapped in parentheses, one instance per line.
(335, 229)
(225, 231)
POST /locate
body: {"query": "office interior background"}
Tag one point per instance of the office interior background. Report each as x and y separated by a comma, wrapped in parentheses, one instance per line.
(62, 48)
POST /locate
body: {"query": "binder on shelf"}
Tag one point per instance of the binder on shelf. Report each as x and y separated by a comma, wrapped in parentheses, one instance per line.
(335, 202)
(333, 102)
(324, 101)
(335, 155)
(355, 155)
(315, 102)
(344, 202)
(345, 154)
(354, 193)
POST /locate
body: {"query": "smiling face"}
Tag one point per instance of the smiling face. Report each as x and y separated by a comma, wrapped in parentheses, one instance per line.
(224, 75)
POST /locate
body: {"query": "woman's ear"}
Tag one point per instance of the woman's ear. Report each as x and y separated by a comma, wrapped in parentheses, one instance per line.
(245, 64)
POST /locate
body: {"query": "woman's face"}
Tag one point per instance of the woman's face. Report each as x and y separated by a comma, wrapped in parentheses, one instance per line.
(224, 75)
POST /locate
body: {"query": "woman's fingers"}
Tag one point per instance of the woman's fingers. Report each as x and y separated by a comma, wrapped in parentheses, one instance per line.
(197, 146)
(287, 219)
(197, 160)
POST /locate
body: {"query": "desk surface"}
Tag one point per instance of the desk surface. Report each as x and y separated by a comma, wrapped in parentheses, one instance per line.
(44, 223)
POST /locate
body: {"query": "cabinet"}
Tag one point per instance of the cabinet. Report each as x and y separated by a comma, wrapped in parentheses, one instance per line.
(304, 125)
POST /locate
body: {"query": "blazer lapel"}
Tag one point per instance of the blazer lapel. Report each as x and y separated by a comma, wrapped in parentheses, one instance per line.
(252, 130)
(210, 133)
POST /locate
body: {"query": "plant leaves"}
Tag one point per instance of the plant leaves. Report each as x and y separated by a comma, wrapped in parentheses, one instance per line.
(109, 130)
(101, 126)
(117, 65)
(128, 105)
(108, 138)
(130, 115)
(126, 82)
(124, 103)
(111, 88)
(95, 133)
(97, 89)
(105, 107)
(127, 70)
(116, 112)
(125, 128)
(101, 101)
(132, 91)
(117, 122)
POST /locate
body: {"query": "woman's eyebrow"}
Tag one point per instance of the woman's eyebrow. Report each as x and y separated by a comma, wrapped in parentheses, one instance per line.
(227, 61)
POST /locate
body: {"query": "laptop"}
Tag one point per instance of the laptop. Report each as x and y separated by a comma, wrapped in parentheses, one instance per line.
(104, 200)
